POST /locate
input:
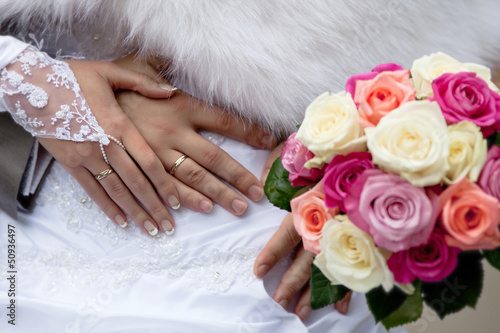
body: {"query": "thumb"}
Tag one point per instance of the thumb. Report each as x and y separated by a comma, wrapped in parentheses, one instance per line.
(123, 78)
(270, 160)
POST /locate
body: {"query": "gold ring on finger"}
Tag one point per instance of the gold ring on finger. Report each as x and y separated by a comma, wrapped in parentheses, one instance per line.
(177, 163)
(103, 174)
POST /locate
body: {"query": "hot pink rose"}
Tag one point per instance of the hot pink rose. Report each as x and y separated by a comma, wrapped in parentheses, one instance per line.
(382, 94)
(470, 217)
(293, 157)
(465, 96)
(341, 173)
(395, 213)
(309, 214)
(350, 85)
(489, 179)
(431, 262)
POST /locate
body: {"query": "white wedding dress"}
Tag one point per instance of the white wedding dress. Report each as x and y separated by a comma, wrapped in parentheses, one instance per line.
(79, 272)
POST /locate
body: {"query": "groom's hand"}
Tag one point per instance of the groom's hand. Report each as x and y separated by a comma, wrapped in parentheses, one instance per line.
(170, 127)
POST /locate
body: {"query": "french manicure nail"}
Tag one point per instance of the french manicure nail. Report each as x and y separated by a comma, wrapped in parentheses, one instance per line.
(167, 87)
(262, 270)
(305, 312)
(265, 173)
(206, 206)
(256, 192)
(121, 221)
(173, 202)
(150, 227)
(239, 206)
(167, 226)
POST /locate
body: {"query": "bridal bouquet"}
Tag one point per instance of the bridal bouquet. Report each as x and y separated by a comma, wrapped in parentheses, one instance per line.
(395, 184)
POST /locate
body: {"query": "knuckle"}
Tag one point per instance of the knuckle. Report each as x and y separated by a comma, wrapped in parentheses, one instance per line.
(226, 121)
(196, 175)
(117, 189)
(150, 162)
(157, 210)
(292, 237)
(139, 184)
(212, 157)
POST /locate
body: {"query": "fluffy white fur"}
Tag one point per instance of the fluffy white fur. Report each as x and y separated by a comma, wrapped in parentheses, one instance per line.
(268, 59)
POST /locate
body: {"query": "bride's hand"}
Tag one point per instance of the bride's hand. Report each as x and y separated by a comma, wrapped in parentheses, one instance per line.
(144, 181)
(170, 128)
(295, 280)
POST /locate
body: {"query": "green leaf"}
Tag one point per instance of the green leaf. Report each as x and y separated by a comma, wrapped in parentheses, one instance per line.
(460, 289)
(409, 312)
(493, 257)
(278, 188)
(497, 141)
(382, 304)
(323, 293)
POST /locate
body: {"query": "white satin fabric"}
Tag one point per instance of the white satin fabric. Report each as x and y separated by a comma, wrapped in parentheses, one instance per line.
(78, 272)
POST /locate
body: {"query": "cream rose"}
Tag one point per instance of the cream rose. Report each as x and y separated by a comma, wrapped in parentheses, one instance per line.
(468, 150)
(430, 67)
(331, 127)
(412, 141)
(348, 256)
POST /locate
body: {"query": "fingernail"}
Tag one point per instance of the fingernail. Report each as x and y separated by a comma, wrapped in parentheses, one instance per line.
(173, 202)
(167, 87)
(150, 227)
(256, 192)
(206, 206)
(121, 221)
(167, 226)
(305, 312)
(239, 206)
(262, 270)
(283, 303)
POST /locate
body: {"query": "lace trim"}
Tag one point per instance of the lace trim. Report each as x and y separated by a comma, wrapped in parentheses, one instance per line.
(73, 122)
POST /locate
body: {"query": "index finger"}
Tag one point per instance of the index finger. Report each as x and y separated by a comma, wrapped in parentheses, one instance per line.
(218, 120)
(283, 241)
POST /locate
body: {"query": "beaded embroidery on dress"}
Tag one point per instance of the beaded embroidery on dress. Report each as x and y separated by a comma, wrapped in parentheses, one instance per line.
(215, 270)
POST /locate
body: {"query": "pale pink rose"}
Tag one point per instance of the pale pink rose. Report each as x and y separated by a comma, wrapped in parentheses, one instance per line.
(382, 94)
(293, 157)
(309, 214)
(470, 217)
(489, 179)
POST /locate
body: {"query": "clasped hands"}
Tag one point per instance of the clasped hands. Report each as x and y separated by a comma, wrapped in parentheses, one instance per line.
(157, 126)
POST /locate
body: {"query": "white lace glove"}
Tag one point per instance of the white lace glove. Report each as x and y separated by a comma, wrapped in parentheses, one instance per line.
(43, 96)
(37, 89)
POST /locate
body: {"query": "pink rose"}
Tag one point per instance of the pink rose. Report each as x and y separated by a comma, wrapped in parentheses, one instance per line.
(341, 173)
(395, 213)
(382, 94)
(309, 214)
(470, 217)
(350, 85)
(489, 179)
(293, 157)
(465, 96)
(431, 262)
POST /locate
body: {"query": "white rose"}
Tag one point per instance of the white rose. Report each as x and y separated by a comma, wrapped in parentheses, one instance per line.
(331, 127)
(468, 150)
(349, 256)
(412, 141)
(430, 67)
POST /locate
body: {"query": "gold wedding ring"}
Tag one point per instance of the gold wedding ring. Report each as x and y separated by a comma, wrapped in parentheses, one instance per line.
(103, 174)
(177, 163)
